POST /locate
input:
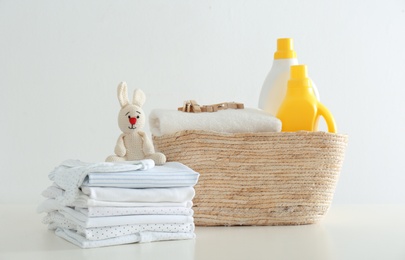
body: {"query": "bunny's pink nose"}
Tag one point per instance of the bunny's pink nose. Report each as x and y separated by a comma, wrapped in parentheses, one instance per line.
(132, 120)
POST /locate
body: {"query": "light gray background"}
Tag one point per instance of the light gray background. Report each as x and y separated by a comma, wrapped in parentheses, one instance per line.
(61, 61)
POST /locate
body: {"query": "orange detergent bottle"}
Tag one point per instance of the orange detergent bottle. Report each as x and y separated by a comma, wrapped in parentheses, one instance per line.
(300, 109)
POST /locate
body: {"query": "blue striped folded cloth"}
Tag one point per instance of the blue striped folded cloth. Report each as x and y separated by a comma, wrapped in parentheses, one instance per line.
(171, 174)
(72, 174)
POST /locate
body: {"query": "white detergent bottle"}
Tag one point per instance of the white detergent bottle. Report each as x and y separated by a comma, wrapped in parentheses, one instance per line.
(275, 85)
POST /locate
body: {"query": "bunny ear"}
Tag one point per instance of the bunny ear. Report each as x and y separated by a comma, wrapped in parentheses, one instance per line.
(139, 98)
(123, 94)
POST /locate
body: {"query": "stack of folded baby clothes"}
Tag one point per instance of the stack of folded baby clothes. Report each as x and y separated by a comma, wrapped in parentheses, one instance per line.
(103, 204)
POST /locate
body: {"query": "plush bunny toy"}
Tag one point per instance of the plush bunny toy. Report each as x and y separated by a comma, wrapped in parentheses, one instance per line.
(133, 144)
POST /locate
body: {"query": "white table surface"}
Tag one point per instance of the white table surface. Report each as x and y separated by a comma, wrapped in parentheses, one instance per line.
(347, 232)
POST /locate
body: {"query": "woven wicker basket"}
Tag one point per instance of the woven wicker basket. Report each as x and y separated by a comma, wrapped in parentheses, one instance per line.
(259, 178)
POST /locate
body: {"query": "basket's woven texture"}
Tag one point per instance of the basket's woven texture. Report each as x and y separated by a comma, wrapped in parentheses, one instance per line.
(259, 178)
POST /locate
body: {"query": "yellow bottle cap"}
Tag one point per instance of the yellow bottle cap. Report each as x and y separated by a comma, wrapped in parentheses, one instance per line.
(299, 76)
(285, 49)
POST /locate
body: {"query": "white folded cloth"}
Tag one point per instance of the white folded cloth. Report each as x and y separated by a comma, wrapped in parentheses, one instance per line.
(51, 204)
(122, 230)
(83, 202)
(72, 174)
(103, 204)
(57, 220)
(125, 211)
(53, 191)
(246, 120)
(82, 220)
(140, 237)
(140, 195)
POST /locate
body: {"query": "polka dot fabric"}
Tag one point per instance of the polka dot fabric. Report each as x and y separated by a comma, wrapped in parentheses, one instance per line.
(52, 192)
(125, 211)
(122, 230)
(141, 237)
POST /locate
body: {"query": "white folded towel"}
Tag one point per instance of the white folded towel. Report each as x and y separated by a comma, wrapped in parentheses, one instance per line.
(246, 120)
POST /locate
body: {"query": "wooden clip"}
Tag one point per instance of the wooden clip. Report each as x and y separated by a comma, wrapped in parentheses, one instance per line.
(191, 106)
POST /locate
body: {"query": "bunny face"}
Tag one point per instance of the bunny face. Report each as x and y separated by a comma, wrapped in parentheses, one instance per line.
(131, 116)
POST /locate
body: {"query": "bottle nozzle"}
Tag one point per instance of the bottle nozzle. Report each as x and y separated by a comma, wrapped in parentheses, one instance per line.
(299, 76)
(298, 72)
(285, 49)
